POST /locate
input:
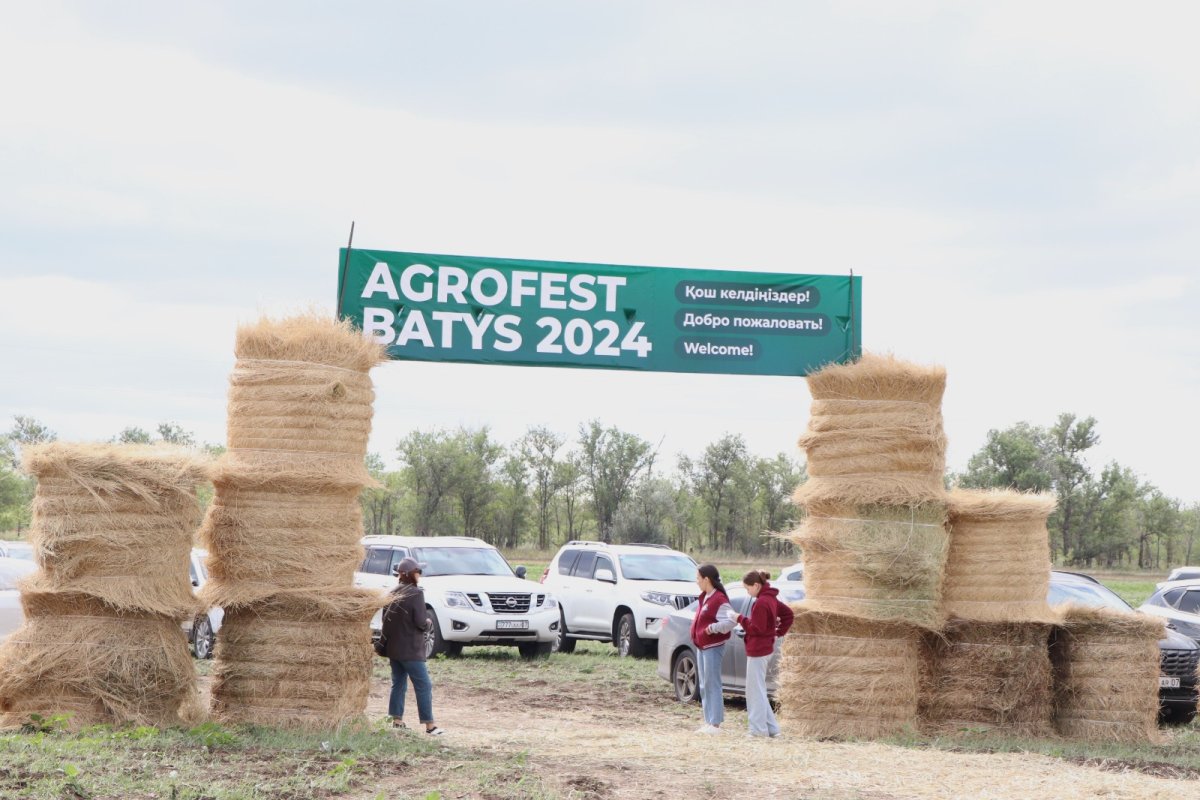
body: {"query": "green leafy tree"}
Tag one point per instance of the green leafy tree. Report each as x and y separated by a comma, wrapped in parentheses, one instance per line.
(720, 478)
(1014, 458)
(133, 435)
(648, 514)
(173, 433)
(513, 502)
(1066, 443)
(611, 461)
(570, 500)
(381, 504)
(539, 448)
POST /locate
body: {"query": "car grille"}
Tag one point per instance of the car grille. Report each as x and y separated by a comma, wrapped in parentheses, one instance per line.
(1182, 663)
(474, 598)
(682, 600)
(506, 603)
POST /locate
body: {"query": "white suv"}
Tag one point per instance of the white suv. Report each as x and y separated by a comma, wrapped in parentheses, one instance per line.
(473, 595)
(618, 593)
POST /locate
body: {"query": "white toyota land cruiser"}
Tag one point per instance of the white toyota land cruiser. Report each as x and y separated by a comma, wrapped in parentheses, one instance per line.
(618, 593)
(473, 595)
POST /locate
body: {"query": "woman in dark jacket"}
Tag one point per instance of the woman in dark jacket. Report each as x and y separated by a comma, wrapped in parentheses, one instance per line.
(405, 622)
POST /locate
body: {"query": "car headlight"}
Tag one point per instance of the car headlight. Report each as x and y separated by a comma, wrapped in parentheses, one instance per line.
(456, 600)
(658, 598)
(550, 602)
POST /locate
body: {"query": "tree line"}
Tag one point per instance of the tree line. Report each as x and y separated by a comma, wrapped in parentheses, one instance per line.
(1110, 518)
(546, 488)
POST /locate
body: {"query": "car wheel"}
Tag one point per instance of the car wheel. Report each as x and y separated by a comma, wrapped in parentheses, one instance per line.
(203, 638)
(685, 677)
(564, 643)
(628, 642)
(535, 650)
(1178, 715)
(434, 643)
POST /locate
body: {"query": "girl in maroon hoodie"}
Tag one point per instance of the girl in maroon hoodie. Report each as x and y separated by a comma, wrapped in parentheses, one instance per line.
(711, 628)
(764, 620)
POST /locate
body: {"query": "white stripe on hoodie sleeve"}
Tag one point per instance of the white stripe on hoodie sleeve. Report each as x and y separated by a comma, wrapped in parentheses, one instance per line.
(723, 623)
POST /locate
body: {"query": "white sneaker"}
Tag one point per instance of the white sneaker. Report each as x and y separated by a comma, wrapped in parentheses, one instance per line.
(709, 729)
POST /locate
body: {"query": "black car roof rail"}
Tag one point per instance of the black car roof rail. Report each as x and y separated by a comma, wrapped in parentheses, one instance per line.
(1076, 574)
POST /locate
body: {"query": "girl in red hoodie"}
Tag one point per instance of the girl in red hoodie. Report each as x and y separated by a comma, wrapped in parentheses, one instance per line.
(711, 628)
(764, 620)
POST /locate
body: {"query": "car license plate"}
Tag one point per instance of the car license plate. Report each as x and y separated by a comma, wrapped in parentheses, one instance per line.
(523, 624)
(1168, 683)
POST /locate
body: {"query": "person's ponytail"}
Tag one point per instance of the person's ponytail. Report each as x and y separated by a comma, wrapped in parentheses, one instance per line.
(711, 572)
(756, 576)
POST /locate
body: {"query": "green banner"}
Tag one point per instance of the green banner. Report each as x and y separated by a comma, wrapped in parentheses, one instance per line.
(548, 313)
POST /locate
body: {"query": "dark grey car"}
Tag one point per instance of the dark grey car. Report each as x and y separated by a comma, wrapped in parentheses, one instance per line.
(677, 654)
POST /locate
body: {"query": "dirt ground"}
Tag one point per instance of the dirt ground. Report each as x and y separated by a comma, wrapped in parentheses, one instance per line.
(583, 741)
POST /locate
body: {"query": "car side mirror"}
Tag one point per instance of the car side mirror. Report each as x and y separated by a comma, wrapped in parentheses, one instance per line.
(605, 575)
(521, 571)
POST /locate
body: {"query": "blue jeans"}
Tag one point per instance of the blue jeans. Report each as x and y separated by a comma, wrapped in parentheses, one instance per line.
(708, 665)
(402, 671)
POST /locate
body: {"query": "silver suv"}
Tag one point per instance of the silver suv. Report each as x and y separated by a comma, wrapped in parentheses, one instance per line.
(618, 593)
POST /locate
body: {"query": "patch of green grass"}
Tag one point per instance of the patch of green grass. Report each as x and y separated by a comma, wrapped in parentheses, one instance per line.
(1182, 751)
(1134, 592)
(207, 762)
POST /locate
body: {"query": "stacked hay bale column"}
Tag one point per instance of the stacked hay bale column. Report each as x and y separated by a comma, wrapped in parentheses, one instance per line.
(990, 667)
(284, 528)
(874, 545)
(102, 642)
(1107, 664)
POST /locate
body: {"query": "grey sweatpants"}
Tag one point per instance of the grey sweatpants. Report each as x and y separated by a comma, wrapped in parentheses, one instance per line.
(762, 718)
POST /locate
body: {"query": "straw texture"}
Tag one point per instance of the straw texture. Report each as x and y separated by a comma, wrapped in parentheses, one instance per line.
(998, 568)
(292, 662)
(112, 532)
(845, 677)
(1106, 675)
(284, 527)
(990, 675)
(878, 563)
(875, 434)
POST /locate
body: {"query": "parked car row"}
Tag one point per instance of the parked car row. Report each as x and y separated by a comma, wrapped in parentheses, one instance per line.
(618, 593)
(1180, 654)
(472, 593)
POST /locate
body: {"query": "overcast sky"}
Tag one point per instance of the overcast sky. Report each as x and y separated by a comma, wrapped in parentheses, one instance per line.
(1017, 183)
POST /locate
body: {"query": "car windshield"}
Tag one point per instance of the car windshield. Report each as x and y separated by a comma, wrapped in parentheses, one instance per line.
(461, 561)
(647, 567)
(1092, 595)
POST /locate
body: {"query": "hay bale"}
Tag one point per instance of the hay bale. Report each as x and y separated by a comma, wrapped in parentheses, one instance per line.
(75, 655)
(260, 541)
(301, 385)
(875, 434)
(998, 568)
(879, 563)
(294, 662)
(845, 677)
(989, 675)
(1106, 669)
(116, 522)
